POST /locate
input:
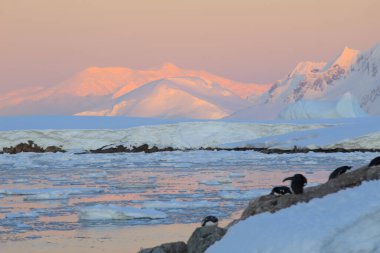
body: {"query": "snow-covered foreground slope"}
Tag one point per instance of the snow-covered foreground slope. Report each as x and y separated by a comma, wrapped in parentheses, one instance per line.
(349, 133)
(347, 221)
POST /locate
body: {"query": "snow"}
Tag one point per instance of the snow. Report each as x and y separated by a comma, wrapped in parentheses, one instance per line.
(94, 88)
(345, 59)
(335, 133)
(114, 212)
(176, 97)
(343, 222)
(346, 107)
(352, 71)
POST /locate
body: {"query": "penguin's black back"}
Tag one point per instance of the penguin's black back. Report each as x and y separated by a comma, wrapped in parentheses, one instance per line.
(209, 218)
(374, 162)
(339, 171)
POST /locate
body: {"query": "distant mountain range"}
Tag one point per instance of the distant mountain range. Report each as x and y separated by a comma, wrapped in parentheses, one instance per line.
(351, 72)
(167, 92)
(353, 78)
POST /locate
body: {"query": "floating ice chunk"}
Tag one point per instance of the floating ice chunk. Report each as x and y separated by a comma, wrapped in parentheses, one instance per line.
(95, 175)
(179, 204)
(54, 195)
(50, 193)
(113, 212)
(236, 175)
(215, 182)
(136, 186)
(243, 194)
(19, 215)
(209, 182)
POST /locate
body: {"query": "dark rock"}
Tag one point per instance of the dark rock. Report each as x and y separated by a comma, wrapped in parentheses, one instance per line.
(173, 247)
(204, 237)
(142, 148)
(54, 149)
(120, 149)
(30, 147)
(108, 149)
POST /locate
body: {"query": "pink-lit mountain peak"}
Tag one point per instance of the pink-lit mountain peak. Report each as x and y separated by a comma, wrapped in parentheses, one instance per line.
(189, 97)
(345, 59)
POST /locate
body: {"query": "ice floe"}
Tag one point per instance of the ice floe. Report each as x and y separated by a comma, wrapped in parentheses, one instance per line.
(114, 212)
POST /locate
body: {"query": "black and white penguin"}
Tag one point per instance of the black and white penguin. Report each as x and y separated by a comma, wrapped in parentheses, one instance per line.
(374, 162)
(298, 181)
(339, 171)
(210, 221)
(280, 190)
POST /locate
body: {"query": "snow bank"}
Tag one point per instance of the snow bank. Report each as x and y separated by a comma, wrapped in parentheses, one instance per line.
(343, 222)
(344, 133)
(113, 212)
(180, 135)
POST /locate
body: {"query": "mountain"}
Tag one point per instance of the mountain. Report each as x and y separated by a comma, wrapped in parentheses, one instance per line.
(178, 97)
(95, 88)
(350, 72)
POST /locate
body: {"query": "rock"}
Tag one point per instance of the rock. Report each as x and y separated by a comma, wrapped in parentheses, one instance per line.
(142, 148)
(108, 149)
(173, 247)
(270, 203)
(120, 148)
(30, 147)
(204, 237)
(54, 149)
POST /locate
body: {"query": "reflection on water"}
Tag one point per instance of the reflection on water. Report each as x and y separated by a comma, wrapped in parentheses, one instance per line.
(44, 194)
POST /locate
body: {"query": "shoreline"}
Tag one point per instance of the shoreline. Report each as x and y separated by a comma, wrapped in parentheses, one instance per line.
(31, 146)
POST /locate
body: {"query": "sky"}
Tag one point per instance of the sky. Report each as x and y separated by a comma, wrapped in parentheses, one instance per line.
(44, 42)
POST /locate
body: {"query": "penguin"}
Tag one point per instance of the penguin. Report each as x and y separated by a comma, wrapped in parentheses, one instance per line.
(210, 221)
(374, 162)
(339, 171)
(298, 181)
(280, 190)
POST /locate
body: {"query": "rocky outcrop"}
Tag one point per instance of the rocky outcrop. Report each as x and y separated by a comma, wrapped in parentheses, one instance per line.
(147, 149)
(204, 237)
(120, 148)
(173, 247)
(270, 203)
(31, 147)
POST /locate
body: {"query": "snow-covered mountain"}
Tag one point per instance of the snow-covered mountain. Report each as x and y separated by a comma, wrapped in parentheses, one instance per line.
(311, 89)
(345, 107)
(351, 71)
(100, 88)
(177, 97)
